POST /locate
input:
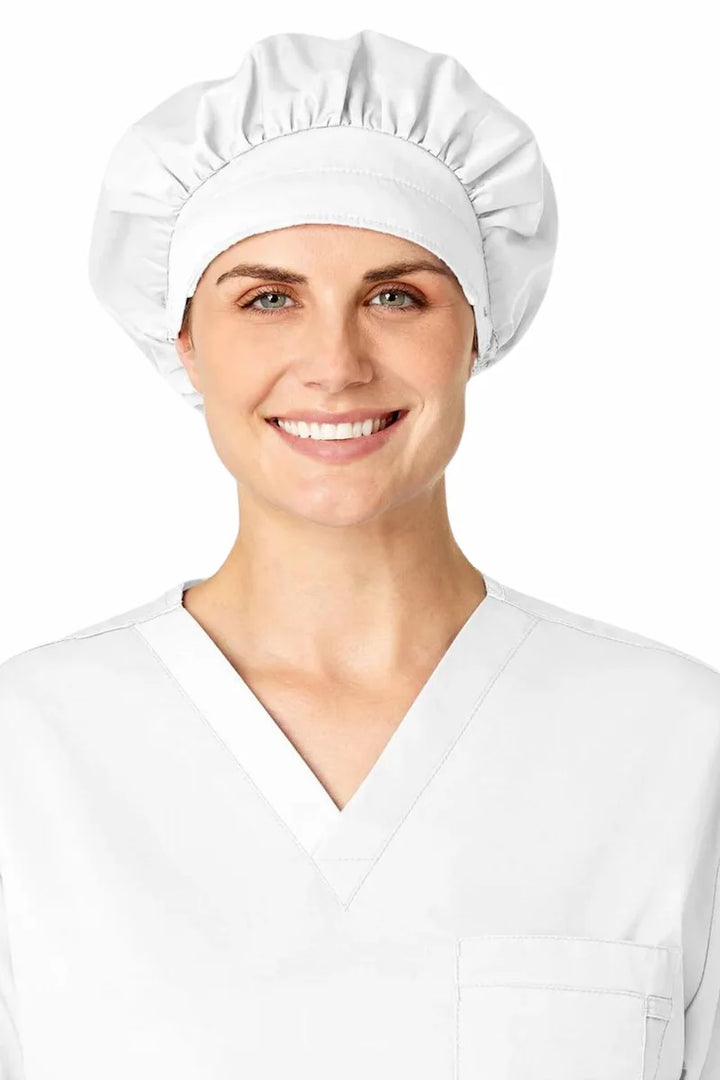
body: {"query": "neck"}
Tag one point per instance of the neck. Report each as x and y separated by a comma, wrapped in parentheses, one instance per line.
(359, 600)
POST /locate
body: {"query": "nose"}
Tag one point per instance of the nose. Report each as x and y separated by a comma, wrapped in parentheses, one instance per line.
(335, 357)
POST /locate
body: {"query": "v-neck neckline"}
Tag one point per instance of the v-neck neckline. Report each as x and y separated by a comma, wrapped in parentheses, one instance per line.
(343, 843)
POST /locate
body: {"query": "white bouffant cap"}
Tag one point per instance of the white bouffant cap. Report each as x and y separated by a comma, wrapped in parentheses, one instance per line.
(367, 131)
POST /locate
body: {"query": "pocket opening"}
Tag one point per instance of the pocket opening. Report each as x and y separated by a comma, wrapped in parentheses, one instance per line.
(559, 1008)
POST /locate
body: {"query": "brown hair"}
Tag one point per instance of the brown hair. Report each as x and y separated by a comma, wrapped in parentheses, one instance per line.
(185, 325)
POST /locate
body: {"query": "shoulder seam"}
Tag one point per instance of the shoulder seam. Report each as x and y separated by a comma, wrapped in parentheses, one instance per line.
(90, 633)
(656, 646)
(121, 626)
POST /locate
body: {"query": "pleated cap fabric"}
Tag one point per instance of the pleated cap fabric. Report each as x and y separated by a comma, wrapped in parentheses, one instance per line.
(367, 131)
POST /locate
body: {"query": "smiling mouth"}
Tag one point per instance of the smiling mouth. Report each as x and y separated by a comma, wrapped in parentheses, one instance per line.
(327, 432)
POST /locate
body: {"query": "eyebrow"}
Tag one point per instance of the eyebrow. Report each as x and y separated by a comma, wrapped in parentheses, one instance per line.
(289, 277)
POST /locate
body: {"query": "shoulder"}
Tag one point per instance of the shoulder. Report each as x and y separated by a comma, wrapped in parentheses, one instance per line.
(576, 649)
(88, 648)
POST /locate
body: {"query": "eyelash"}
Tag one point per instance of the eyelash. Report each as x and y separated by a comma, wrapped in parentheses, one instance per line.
(418, 300)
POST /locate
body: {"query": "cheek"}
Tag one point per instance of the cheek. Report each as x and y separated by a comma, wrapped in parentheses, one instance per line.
(436, 361)
(441, 386)
(236, 393)
(442, 430)
(236, 377)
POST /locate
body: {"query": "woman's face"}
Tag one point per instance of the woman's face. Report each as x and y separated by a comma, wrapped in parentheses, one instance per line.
(338, 336)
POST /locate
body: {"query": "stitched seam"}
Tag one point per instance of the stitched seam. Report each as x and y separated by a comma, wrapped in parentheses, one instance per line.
(343, 858)
(384, 226)
(122, 626)
(569, 937)
(235, 761)
(609, 637)
(567, 988)
(501, 597)
(80, 635)
(444, 758)
(709, 939)
(285, 135)
(483, 361)
(458, 996)
(11, 1015)
(665, 1021)
(358, 172)
(643, 1041)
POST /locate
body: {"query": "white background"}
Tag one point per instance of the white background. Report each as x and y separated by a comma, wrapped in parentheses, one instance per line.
(588, 472)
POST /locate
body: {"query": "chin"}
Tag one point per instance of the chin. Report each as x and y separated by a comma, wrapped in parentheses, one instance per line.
(327, 509)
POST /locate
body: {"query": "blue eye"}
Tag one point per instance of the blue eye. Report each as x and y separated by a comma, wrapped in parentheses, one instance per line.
(398, 292)
(262, 295)
(417, 301)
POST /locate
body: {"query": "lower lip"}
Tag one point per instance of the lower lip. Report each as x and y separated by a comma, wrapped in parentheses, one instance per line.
(339, 449)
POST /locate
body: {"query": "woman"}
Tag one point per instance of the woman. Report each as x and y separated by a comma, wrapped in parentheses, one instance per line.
(348, 806)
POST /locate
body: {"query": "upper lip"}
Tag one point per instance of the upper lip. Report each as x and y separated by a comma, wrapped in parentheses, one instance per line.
(350, 417)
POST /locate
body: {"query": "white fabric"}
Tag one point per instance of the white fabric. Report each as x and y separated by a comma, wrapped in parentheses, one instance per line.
(345, 175)
(368, 131)
(522, 888)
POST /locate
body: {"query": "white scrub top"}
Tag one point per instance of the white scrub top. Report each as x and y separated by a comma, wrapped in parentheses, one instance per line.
(524, 887)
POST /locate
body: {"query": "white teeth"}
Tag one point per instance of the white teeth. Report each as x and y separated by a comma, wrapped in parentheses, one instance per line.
(303, 430)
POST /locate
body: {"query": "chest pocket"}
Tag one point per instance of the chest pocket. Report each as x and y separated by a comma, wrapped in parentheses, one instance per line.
(537, 1007)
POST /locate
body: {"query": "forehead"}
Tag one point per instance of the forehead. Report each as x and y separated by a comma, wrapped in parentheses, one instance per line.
(289, 255)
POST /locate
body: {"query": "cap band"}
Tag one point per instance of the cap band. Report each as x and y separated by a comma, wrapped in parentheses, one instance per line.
(341, 175)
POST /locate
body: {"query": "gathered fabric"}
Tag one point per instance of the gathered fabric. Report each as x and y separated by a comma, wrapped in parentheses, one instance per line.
(367, 131)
